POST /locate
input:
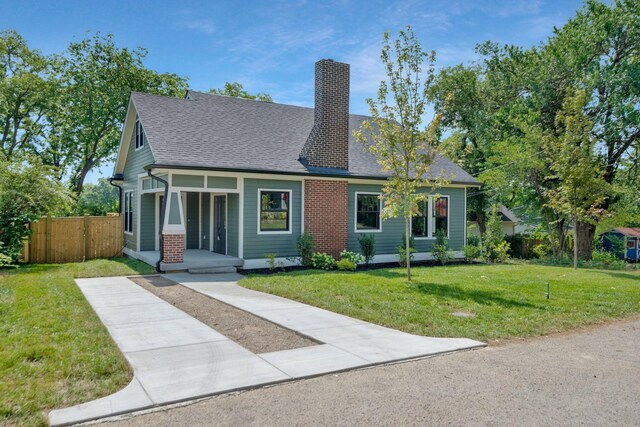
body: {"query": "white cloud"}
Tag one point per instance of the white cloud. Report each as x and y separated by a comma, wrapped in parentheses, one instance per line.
(200, 25)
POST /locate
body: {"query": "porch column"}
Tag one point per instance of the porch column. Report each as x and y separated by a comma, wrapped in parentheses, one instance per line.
(173, 231)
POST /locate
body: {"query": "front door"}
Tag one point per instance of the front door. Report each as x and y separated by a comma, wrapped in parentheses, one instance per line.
(193, 221)
(220, 224)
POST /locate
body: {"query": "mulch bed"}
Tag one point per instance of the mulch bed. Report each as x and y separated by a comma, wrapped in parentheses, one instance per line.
(253, 333)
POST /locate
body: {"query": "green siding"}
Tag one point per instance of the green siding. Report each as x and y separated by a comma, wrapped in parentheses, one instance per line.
(193, 219)
(392, 229)
(222, 182)
(195, 181)
(233, 215)
(148, 222)
(174, 208)
(205, 222)
(257, 245)
(134, 165)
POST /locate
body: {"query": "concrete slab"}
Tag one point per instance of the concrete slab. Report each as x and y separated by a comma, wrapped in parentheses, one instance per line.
(315, 360)
(305, 318)
(188, 372)
(175, 357)
(132, 397)
(166, 333)
(122, 315)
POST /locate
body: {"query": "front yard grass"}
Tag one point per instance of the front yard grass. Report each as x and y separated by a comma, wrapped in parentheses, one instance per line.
(502, 301)
(54, 351)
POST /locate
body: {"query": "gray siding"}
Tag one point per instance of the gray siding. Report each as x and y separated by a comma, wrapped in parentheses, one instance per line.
(205, 222)
(147, 222)
(233, 223)
(222, 182)
(136, 160)
(390, 237)
(257, 245)
(196, 181)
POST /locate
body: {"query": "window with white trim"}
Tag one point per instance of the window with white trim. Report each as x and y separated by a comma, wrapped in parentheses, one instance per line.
(128, 212)
(368, 212)
(441, 215)
(139, 135)
(420, 222)
(275, 209)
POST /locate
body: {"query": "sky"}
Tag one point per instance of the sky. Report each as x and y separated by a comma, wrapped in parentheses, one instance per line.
(271, 46)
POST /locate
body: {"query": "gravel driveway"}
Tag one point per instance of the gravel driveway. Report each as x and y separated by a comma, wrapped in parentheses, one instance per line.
(590, 377)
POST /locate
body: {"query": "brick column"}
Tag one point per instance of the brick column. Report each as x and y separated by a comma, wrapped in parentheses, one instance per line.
(326, 210)
(173, 245)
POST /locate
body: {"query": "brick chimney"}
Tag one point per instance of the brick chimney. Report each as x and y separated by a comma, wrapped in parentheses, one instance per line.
(328, 143)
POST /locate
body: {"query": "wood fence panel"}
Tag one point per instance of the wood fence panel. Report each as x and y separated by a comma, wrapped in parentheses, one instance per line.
(74, 239)
(67, 240)
(105, 238)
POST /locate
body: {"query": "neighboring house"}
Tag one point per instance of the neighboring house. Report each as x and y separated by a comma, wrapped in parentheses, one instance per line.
(629, 240)
(208, 176)
(510, 223)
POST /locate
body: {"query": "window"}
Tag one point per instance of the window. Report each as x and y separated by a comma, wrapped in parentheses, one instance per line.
(274, 210)
(420, 222)
(128, 212)
(631, 243)
(139, 135)
(367, 212)
(441, 215)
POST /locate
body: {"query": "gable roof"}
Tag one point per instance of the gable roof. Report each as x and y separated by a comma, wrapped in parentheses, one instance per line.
(628, 231)
(214, 132)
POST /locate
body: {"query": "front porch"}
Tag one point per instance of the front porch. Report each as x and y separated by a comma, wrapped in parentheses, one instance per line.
(195, 260)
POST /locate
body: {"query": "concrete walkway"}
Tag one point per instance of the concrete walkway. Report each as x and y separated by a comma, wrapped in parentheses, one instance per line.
(175, 357)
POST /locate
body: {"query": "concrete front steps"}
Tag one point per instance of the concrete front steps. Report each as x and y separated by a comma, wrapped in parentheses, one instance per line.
(213, 270)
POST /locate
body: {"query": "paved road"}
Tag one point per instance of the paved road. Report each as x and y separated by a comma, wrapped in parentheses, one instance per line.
(586, 378)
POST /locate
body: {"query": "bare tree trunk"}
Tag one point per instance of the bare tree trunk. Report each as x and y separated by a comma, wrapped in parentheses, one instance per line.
(575, 244)
(585, 233)
(407, 247)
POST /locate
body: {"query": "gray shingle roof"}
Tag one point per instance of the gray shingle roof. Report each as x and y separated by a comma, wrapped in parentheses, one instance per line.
(219, 132)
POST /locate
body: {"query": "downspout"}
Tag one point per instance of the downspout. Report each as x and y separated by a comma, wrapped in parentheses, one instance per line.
(118, 177)
(162, 211)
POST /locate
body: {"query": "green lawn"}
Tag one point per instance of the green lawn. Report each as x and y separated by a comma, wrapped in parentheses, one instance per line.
(508, 301)
(54, 351)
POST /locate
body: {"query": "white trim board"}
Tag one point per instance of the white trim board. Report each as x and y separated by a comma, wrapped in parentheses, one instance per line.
(355, 212)
(290, 213)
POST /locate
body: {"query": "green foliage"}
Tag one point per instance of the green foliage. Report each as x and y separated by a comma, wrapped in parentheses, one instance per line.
(473, 240)
(98, 199)
(541, 250)
(273, 263)
(28, 190)
(322, 261)
(441, 251)
(494, 247)
(618, 247)
(402, 252)
(305, 247)
(354, 257)
(367, 243)
(5, 259)
(472, 252)
(394, 135)
(346, 265)
(605, 259)
(94, 79)
(237, 90)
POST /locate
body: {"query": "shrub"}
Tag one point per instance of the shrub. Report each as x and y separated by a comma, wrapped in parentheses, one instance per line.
(346, 265)
(322, 261)
(353, 257)
(402, 250)
(472, 252)
(494, 248)
(605, 259)
(306, 246)
(441, 251)
(5, 259)
(473, 240)
(367, 246)
(272, 263)
(541, 250)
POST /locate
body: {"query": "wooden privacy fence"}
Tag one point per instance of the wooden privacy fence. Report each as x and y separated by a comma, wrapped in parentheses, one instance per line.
(74, 239)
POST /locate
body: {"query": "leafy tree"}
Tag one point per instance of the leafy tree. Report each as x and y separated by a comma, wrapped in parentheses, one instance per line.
(494, 247)
(236, 89)
(95, 78)
(395, 136)
(28, 190)
(25, 94)
(583, 190)
(98, 199)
